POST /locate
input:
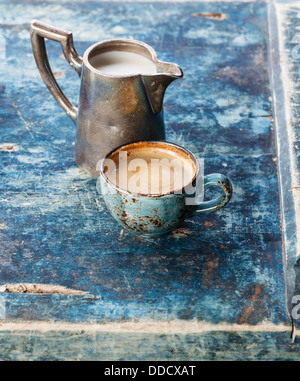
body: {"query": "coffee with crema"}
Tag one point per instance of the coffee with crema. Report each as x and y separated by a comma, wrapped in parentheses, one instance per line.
(150, 169)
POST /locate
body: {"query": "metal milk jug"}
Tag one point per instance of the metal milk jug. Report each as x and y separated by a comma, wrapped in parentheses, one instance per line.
(114, 108)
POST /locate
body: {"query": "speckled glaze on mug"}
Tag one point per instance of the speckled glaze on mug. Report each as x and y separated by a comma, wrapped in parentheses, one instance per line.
(158, 214)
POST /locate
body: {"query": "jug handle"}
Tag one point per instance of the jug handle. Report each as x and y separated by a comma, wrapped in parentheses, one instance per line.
(39, 31)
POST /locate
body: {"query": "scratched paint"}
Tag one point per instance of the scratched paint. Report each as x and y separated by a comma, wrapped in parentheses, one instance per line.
(228, 267)
(127, 346)
(286, 17)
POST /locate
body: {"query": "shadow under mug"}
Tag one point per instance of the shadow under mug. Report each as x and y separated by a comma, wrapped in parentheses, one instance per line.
(158, 214)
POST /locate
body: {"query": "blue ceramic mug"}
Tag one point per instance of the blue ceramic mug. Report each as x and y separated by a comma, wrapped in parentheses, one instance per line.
(157, 213)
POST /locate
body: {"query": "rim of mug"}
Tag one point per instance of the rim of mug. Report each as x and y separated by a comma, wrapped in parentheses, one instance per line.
(154, 195)
(153, 57)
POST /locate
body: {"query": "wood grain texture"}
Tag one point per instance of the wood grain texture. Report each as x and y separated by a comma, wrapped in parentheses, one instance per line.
(219, 268)
(80, 346)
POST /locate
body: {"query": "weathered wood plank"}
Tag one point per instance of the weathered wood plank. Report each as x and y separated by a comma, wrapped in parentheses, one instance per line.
(55, 229)
(61, 346)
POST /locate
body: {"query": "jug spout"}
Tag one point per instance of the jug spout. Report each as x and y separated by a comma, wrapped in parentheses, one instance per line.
(156, 84)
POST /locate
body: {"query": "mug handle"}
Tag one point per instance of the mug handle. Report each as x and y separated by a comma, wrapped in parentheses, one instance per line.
(212, 180)
(39, 31)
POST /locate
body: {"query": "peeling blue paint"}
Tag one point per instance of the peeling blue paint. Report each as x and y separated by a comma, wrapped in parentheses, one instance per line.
(55, 228)
(81, 346)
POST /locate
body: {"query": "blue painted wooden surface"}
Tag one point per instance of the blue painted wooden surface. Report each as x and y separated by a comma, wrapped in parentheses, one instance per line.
(55, 228)
(285, 45)
(109, 346)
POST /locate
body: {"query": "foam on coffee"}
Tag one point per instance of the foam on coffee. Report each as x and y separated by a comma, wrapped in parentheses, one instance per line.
(122, 63)
(150, 169)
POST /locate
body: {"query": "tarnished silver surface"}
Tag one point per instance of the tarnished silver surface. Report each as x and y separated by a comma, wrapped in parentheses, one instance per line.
(113, 109)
